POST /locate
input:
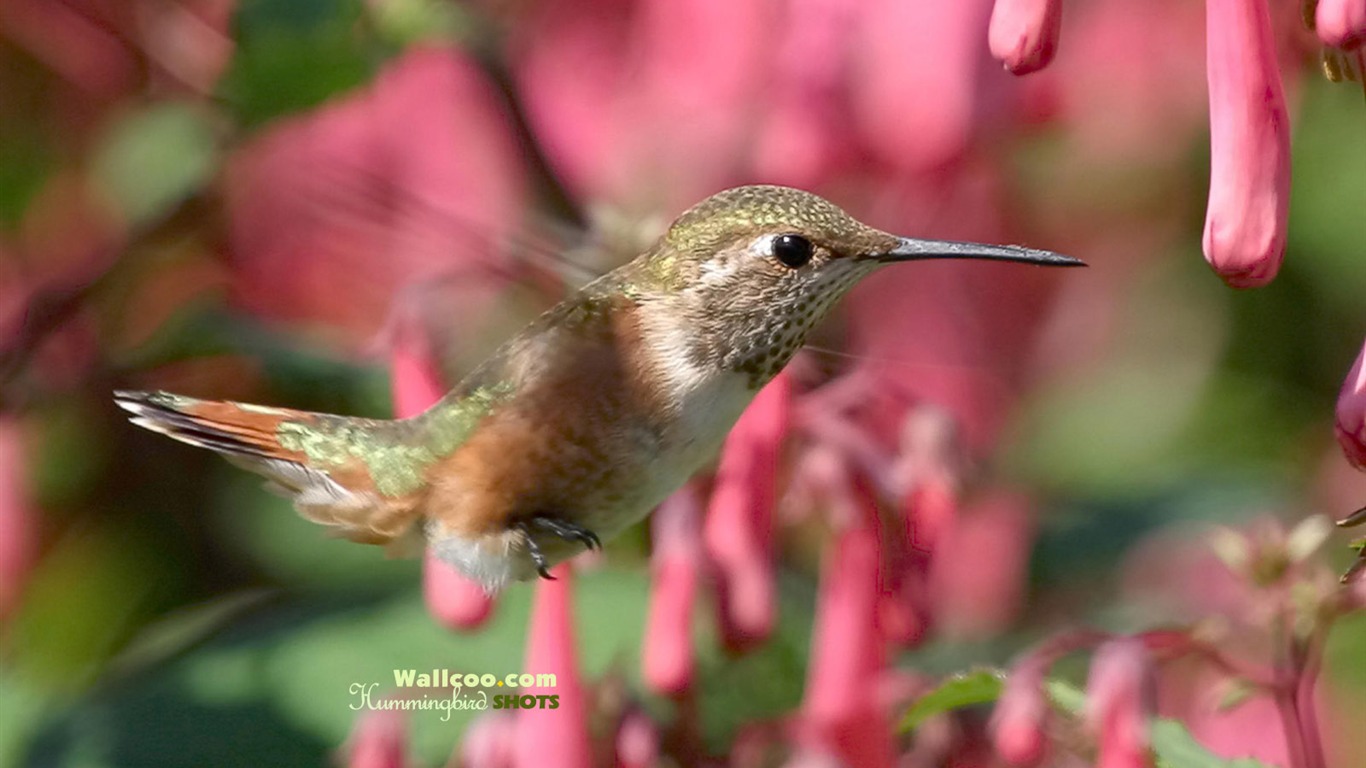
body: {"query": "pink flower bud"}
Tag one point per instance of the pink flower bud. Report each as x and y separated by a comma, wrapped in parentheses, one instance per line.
(1249, 189)
(738, 530)
(1341, 23)
(563, 731)
(490, 741)
(17, 535)
(1017, 723)
(667, 653)
(1351, 413)
(1118, 702)
(1024, 33)
(637, 742)
(452, 599)
(379, 740)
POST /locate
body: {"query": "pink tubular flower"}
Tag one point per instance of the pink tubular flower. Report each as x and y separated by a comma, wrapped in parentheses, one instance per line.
(1118, 702)
(490, 741)
(1017, 723)
(16, 518)
(379, 740)
(739, 526)
(1024, 33)
(561, 732)
(978, 573)
(1351, 413)
(667, 653)
(1341, 23)
(843, 715)
(452, 599)
(637, 741)
(1249, 191)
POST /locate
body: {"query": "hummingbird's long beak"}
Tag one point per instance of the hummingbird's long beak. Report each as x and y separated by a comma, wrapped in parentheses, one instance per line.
(911, 249)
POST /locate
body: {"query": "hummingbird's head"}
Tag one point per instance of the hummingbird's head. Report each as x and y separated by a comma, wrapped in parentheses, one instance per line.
(753, 269)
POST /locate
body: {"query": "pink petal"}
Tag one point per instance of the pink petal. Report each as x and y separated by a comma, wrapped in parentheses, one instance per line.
(379, 740)
(561, 732)
(978, 573)
(1341, 23)
(839, 713)
(1351, 413)
(490, 741)
(452, 599)
(17, 524)
(637, 742)
(332, 212)
(1118, 703)
(1024, 33)
(1017, 723)
(1245, 225)
(667, 653)
(919, 74)
(803, 135)
(622, 94)
(739, 525)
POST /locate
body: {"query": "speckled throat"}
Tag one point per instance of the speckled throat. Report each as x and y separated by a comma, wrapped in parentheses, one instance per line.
(756, 329)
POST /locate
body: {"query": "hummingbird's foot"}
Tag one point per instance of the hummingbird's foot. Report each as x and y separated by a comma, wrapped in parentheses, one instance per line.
(558, 527)
(567, 531)
(534, 550)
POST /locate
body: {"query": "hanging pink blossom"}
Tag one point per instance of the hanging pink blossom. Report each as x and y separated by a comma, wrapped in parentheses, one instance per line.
(1249, 195)
(739, 525)
(1017, 723)
(1351, 413)
(17, 534)
(637, 742)
(676, 565)
(490, 741)
(978, 573)
(840, 714)
(1024, 33)
(379, 740)
(1341, 23)
(551, 649)
(1119, 702)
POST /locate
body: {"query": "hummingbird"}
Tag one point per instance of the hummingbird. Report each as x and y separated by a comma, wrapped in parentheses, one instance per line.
(582, 423)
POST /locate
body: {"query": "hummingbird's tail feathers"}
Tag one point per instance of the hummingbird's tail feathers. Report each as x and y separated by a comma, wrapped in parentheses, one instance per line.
(342, 494)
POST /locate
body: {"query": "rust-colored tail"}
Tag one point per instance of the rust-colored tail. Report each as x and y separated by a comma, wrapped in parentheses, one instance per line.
(337, 490)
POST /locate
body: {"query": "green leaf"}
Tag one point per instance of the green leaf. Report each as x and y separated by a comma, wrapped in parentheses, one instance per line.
(1065, 696)
(296, 54)
(1176, 748)
(963, 690)
(153, 158)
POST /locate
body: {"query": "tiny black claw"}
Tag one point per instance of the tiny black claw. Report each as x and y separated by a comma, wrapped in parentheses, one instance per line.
(1353, 573)
(1356, 518)
(568, 531)
(534, 550)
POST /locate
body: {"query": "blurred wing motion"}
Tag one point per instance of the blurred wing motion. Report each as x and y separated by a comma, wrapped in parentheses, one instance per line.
(361, 477)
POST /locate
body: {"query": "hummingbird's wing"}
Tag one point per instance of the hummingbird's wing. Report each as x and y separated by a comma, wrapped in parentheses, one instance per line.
(361, 477)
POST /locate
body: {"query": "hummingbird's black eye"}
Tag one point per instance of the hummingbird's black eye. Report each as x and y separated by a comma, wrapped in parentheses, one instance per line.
(792, 250)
